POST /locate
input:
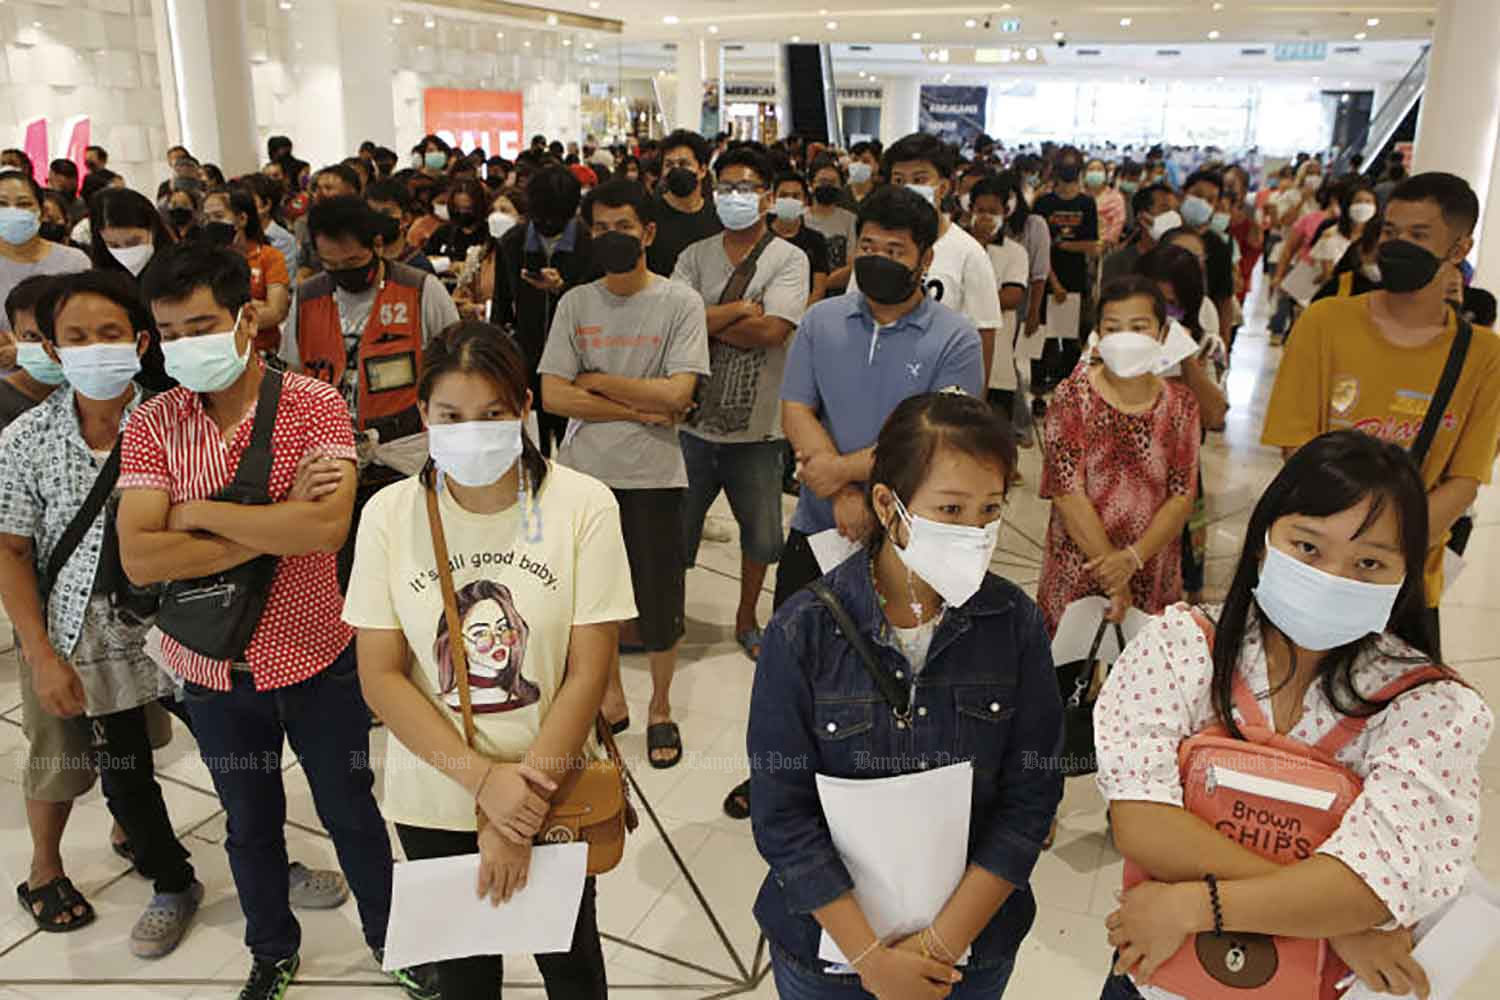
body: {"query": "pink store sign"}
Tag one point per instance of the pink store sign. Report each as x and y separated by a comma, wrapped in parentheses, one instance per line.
(34, 143)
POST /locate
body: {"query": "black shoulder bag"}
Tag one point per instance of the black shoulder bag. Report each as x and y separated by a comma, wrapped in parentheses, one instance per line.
(1079, 682)
(895, 693)
(1458, 538)
(216, 616)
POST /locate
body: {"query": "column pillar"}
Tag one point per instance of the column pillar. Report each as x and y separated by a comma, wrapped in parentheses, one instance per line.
(215, 103)
(367, 62)
(1459, 123)
(898, 107)
(690, 76)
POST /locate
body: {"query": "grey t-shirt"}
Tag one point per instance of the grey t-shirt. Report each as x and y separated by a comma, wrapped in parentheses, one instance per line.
(59, 260)
(839, 228)
(780, 285)
(655, 333)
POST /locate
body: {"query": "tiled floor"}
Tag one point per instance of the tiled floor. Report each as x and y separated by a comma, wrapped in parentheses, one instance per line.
(660, 942)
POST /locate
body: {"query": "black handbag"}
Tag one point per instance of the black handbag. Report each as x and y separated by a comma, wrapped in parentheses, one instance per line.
(1076, 682)
(216, 616)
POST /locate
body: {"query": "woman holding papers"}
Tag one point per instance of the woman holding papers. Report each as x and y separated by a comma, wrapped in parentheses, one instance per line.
(540, 575)
(947, 663)
(1320, 650)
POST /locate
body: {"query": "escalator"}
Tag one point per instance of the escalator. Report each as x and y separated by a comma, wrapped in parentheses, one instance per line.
(1395, 121)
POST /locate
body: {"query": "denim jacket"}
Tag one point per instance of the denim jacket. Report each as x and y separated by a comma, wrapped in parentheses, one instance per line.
(987, 693)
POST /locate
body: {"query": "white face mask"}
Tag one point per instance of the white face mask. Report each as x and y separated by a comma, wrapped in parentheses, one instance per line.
(952, 558)
(500, 224)
(788, 209)
(133, 259)
(100, 371)
(927, 191)
(1177, 348)
(964, 201)
(1317, 610)
(441, 210)
(859, 173)
(1362, 212)
(1128, 355)
(477, 452)
(208, 362)
(1164, 224)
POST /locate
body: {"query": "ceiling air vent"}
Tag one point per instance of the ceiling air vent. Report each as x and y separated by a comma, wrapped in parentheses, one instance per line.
(861, 48)
(669, 46)
(1253, 52)
(1347, 50)
(1091, 52)
(1169, 53)
(734, 48)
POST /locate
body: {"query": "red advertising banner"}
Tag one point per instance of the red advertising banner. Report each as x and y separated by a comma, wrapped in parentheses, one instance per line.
(490, 119)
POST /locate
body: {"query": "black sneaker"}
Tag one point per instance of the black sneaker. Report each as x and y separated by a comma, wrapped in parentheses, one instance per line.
(269, 980)
(419, 981)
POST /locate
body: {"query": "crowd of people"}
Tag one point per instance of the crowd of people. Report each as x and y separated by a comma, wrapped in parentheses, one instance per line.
(242, 416)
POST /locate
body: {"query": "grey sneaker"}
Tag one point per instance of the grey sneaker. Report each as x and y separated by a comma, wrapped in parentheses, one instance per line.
(315, 888)
(165, 921)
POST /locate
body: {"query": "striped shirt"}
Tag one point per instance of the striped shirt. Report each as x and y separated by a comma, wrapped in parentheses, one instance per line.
(172, 445)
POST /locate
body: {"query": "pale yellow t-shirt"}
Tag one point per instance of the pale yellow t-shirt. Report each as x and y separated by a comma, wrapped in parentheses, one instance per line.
(517, 599)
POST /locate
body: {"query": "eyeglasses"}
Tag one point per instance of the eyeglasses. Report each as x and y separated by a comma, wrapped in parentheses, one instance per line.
(487, 637)
(743, 187)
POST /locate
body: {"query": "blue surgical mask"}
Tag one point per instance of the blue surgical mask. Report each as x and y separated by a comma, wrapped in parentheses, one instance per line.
(435, 161)
(859, 173)
(39, 364)
(927, 191)
(738, 210)
(1219, 223)
(788, 209)
(1128, 188)
(19, 225)
(1317, 610)
(1196, 211)
(100, 371)
(207, 362)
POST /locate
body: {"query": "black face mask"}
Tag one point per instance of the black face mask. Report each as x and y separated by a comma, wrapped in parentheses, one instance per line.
(355, 279)
(617, 253)
(465, 220)
(883, 280)
(179, 217)
(54, 232)
(1406, 267)
(681, 181)
(387, 228)
(219, 233)
(826, 194)
(550, 228)
(1067, 172)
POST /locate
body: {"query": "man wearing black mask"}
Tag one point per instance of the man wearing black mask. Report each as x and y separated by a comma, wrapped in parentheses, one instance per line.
(683, 215)
(378, 313)
(536, 265)
(1373, 362)
(1073, 218)
(392, 205)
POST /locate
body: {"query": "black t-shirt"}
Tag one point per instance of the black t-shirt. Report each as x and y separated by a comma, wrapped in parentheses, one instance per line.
(676, 231)
(1075, 218)
(815, 245)
(13, 403)
(452, 242)
(1219, 267)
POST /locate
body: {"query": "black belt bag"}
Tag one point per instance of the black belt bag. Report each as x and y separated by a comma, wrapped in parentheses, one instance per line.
(216, 616)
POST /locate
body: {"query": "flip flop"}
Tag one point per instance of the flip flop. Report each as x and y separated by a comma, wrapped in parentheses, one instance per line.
(737, 802)
(620, 725)
(663, 736)
(750, 641)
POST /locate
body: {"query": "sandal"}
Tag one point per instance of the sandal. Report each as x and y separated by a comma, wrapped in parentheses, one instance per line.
(737, 802)
(58, 899)
(750, 641)
(663, 736)
(164, 922)
(124, 850)
(620, 725)
(315, 888)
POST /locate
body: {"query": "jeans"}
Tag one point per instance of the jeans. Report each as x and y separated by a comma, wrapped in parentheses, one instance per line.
(795, 981)
(577, 974)
(240, 734)
(122, 744)
(752, 475)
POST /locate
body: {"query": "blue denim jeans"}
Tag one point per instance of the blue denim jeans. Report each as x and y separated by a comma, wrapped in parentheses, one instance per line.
(795, 981)
(240, 733)
(751, 474)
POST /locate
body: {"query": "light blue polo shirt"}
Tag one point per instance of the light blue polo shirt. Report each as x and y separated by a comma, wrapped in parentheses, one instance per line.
(855, 376)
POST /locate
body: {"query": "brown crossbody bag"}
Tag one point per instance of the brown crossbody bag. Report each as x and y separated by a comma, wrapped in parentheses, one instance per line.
(592, 802)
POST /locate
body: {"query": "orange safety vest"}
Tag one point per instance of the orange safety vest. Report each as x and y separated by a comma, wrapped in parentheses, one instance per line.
(389, 354)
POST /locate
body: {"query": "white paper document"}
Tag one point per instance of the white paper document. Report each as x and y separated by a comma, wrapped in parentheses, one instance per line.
(1080, 622)
(1452, 942)
(435, 914)
(831, 548)
(1063, 317)
(406, 455)
(905, 841)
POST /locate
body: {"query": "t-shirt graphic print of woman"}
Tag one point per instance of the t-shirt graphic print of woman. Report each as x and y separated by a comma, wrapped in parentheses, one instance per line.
(495, 637)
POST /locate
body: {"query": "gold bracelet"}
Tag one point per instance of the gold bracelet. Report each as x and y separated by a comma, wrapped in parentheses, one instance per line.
(864, 954)
(1136, 556)
(937, 938)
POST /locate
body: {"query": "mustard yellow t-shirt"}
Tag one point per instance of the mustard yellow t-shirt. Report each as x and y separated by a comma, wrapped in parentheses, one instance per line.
(517, 601)
(1339, 372)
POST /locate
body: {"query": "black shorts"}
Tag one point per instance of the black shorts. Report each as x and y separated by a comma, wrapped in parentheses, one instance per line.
(651, 521)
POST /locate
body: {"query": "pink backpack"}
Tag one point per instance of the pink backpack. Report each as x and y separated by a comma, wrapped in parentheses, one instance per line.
(1281, 799)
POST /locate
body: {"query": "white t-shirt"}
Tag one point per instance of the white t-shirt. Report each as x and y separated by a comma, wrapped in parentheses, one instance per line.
(961, 278)
(517, 599)
(1011, 266)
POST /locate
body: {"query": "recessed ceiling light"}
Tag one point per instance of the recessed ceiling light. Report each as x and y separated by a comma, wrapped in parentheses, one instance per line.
(832, 26)
(1218, 79)
(713, 29)
(552, 20)
(1317, 79)
(822, 11)
(1058, 36)
(1347, 83)
(588, 45)
(567, 42)
(1126, 22)
(594, 4)
(1360, 36)
(670, 19)
(970, 23)
(526, 44)
(796, 39)
(916, 36)
(397, 19)
(862, 74)
(1213, 35)
(1372, 22)
(872, 77)
(947, 77)
(285, 4)
(1218, 7)
(429, 22)
(1031, 55)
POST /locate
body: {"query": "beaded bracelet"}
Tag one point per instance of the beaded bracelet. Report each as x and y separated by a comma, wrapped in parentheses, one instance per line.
(1213, 899)
(942, 951)
(854, 963)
